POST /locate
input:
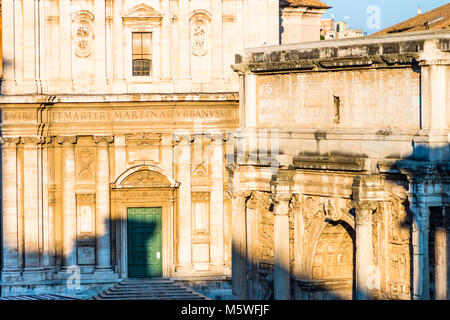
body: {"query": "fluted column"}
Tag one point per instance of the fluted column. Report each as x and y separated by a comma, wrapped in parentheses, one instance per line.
(217, 207)
(69, 212)
(364, 247)
(420, 235)
(102, 204)
(239, 246)
(183, 162)
(10, 210)
(281, 247)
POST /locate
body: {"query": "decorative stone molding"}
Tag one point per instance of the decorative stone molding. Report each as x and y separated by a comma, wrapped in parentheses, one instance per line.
(83, 33)
(9, 142)
(200, 32)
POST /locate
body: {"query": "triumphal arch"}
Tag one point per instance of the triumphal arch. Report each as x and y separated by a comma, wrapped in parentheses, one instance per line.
(339, 180)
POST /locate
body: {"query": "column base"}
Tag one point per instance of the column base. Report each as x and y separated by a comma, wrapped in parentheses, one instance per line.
(11, 275)
(106, 269)
(34, 274)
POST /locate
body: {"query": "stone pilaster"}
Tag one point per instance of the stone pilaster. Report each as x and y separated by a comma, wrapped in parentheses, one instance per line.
(102, 204)
(239, 246)
(216, 203)
(31, 203)
(69, 211)
(364, 247)
(281, 246)
(10, 210)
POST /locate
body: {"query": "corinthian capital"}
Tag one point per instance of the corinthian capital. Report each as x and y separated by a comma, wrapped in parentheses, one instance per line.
(281, 203)
(364, 211)
(103, 140)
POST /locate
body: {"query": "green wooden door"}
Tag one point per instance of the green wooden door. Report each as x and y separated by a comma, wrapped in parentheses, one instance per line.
(144, 242)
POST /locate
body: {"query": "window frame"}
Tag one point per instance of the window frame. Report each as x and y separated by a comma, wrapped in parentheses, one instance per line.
(142, 58)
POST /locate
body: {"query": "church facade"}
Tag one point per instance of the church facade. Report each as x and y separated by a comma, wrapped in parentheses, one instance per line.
(116, 118)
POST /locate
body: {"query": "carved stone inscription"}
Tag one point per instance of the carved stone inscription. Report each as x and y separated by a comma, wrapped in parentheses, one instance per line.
(366, 98)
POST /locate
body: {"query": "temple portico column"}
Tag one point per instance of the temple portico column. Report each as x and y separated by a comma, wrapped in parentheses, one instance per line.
(10, 209)
(239, 246)
(217, 207)
(420, 237)
(69, 212)
(364, 247)
(102, 204)
(282, 286)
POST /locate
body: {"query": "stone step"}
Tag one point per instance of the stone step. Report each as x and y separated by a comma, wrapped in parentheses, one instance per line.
(152, 298)
(156, 296)
(128, 292)
(149, 289)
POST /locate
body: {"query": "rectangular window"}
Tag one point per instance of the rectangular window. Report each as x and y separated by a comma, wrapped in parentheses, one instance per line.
(142, 53)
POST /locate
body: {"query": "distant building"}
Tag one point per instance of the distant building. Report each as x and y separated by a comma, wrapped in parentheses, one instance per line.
(436, 19)
(329, 29)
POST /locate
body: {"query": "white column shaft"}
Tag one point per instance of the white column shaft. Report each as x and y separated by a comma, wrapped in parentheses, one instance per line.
(102, 207)
(69, 205)
(217, 207)
(281, 256)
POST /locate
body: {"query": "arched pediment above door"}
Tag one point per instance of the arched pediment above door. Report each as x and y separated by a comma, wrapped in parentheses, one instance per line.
(145, 176)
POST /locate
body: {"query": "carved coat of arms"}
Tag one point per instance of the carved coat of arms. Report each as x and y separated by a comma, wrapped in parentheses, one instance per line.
(83, 34)
(200, 29)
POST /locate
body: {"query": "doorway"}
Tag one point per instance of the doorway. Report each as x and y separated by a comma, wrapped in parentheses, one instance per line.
(144, 234)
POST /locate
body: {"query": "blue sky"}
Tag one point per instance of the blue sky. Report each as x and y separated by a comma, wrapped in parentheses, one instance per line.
(391, 11)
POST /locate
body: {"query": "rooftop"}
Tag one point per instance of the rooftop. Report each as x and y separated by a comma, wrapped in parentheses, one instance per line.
(304, 3)
(436, 19)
